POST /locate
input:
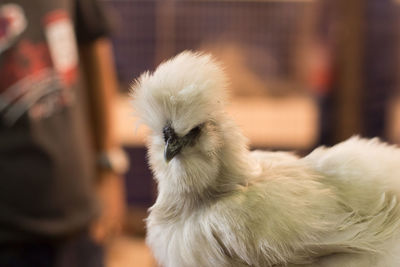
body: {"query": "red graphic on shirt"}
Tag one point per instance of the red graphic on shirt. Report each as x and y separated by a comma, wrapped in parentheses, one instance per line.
(27, 58)
(55, 16)
(12, 24)
(61, 41)
(4, 25)
(36, 77)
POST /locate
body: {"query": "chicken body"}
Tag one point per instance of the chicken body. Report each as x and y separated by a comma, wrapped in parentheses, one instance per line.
(219, 204)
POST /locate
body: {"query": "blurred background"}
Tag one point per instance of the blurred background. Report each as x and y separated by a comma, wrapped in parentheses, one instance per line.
(304, 73)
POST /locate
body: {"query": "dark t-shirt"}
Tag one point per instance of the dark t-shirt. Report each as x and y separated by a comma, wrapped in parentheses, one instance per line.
(46, 157)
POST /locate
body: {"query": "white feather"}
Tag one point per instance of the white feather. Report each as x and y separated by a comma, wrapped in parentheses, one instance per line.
(221, 205)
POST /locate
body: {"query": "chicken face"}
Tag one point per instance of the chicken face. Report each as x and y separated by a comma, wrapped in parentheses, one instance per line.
(181, 105)
(174, 143)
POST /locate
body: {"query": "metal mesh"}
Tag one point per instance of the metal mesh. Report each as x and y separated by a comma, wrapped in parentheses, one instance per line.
(267, 32)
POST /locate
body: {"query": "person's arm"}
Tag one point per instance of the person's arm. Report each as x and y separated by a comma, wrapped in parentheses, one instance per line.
(98, 67)
(101, 82)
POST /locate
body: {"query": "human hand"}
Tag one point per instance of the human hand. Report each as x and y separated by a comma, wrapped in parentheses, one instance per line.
(111, 195)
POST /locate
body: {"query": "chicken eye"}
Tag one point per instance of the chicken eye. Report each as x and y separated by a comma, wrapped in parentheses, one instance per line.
(194, 132)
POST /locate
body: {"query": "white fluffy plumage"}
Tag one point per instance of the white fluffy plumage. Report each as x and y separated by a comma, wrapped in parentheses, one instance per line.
(221, 205)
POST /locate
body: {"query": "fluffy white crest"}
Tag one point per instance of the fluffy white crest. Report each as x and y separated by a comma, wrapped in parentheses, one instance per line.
(185, 90)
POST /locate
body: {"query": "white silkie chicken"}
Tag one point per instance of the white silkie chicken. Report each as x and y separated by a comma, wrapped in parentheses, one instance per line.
(221, 205)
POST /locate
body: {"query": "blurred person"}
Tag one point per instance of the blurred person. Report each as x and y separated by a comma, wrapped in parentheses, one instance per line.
(60, 192)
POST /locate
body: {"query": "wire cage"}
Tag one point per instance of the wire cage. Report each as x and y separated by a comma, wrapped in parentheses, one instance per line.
(261, 37)
(134, 38)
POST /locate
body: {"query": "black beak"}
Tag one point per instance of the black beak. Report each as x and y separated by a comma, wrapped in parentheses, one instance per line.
(172, 148)
(173, 144)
